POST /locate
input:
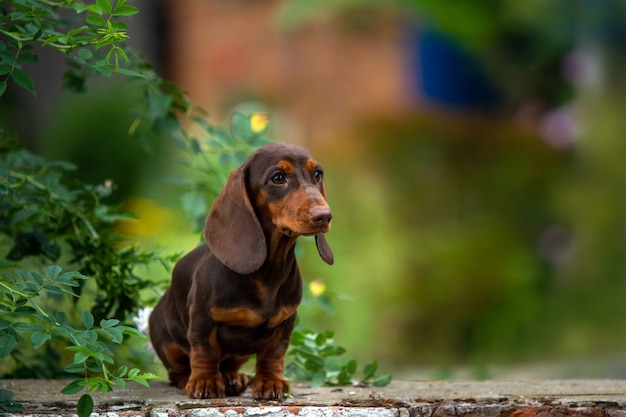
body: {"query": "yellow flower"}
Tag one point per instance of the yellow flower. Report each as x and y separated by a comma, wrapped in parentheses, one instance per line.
(317, 288)
(259, 121)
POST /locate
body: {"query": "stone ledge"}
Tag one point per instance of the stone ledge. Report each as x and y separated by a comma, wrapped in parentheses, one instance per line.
(399, 399)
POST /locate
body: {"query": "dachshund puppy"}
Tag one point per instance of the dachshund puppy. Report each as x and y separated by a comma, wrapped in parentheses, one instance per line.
(238, 294)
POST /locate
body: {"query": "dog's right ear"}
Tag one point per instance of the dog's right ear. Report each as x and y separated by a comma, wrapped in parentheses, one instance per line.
(232, 229)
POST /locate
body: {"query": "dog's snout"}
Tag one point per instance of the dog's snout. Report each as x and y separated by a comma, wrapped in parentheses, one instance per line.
(320, 216)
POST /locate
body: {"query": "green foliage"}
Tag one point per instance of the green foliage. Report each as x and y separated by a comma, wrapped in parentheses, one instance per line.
(21, 312)
(315, 357)
(6, 402)
(46, 217)
(91, 39)
(213, 160)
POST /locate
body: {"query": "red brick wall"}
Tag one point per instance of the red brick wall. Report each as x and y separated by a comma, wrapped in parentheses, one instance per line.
(320, 79)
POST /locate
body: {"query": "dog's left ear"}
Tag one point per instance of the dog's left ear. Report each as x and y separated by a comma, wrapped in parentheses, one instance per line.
(323, 249)
(232, 229)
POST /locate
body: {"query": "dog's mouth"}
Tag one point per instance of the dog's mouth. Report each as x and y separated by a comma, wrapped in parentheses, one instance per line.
(290, 232)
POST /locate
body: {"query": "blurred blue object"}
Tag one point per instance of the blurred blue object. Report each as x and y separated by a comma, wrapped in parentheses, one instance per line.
(446, 73)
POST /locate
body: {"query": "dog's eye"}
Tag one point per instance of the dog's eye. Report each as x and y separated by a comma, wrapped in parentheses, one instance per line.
(318, 175)
(278, 179)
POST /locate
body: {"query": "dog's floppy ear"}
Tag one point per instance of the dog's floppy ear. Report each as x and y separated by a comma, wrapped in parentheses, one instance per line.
(232, 229)
(323, 249)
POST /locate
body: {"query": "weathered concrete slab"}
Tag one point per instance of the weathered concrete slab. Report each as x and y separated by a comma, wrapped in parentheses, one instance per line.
(399, 399)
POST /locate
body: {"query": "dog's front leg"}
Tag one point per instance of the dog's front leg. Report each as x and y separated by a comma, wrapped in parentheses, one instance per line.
(205, 380)
(269, 381)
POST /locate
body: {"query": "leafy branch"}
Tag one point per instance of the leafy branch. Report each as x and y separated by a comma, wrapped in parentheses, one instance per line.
(26, 23)
(317, 358)
(21, 313)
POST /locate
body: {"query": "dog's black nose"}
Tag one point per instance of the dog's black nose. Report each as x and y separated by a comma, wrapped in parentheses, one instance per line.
(320, 216)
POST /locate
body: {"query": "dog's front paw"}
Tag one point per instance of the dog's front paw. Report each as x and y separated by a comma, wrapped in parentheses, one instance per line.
(236, 383)
(269, 388)
(205, 387)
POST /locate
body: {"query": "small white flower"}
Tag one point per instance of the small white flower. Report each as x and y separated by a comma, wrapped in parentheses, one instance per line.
(141, 319)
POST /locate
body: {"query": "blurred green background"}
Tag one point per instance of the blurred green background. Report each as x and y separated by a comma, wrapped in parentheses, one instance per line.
(479, 228)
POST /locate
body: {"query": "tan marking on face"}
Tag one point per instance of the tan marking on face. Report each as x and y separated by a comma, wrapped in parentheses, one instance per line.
(285, 166)
(239, 316)
(283, 314)
(311, 164)
(292, 213)
(261, 198)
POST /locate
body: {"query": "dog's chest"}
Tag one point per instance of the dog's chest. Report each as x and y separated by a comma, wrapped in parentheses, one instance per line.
(257, 304)
(243, 330)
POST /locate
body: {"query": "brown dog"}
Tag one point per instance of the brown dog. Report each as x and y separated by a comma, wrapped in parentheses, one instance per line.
(238, 294)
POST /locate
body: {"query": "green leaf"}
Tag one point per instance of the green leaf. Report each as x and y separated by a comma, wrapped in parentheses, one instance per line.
(115, 333)
(62, 318)
(103, 68)
(28, 58)
(132, 73)
(297, 338)
(54, 38)
(94, 19)
(24, 311)
(37, 278)
(6, 401)
(105, 323)
(53, 289)
(159, 103)
(21, 78)
(39, 338)
(75, 368)
(85, 54)
(131, 331)
(73, 387)
(29, 327)
(7, 343)
(314, 364)
(344, 377)
(123, 370)
(125, 11)
(351, 366)
(318, 379)
(63, 330)
(96, 367)
(142, 379)
(3, 87)
(370, 370)
(382, 380)
(80, 357)
(71, 276)
(85, 405)
(88, 320)
(105, 6)
(72, 33)
(166, 124)
(53, 271)
(120, 382)
(30, 289)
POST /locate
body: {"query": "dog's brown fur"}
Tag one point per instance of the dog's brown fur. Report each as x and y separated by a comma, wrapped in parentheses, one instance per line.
(238, 294)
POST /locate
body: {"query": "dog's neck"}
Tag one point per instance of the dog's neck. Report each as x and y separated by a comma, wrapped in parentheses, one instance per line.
(280, 247)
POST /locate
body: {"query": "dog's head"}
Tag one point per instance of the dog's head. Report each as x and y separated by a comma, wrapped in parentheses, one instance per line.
(279, 187)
